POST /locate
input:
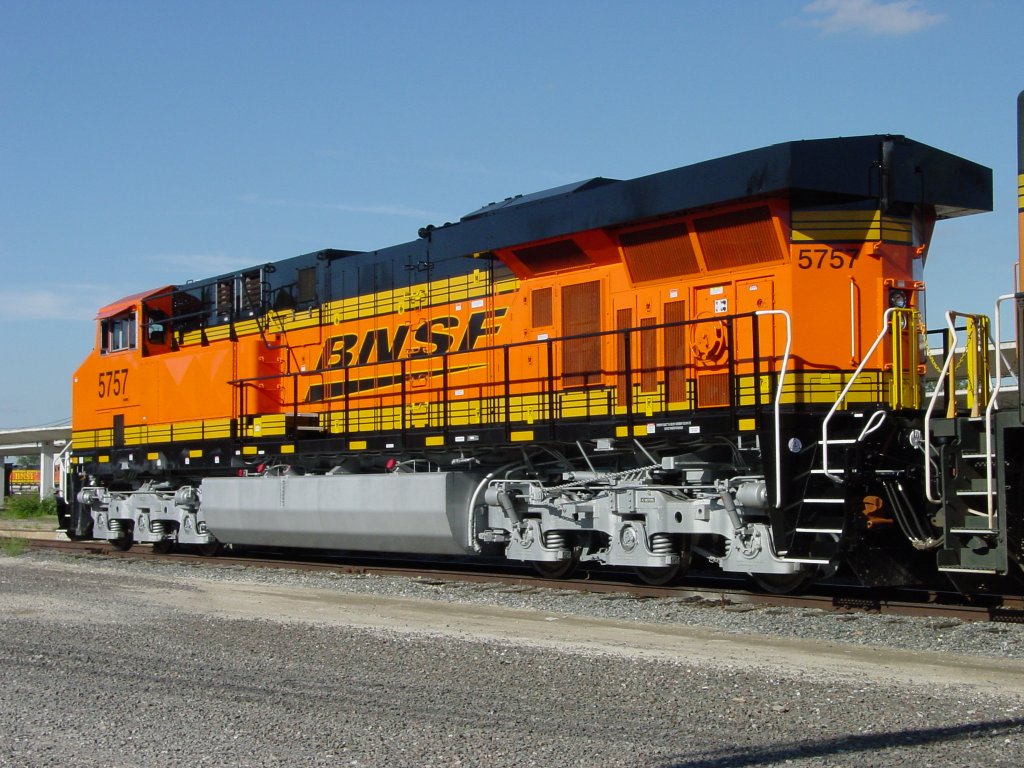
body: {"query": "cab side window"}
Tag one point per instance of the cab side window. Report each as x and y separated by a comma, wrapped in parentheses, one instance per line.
(118, 333)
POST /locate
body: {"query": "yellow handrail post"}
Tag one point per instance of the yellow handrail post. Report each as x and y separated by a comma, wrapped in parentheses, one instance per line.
(905, 389)
(977, 364)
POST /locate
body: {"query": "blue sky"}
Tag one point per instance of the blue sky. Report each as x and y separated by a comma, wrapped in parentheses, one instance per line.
(145, 143)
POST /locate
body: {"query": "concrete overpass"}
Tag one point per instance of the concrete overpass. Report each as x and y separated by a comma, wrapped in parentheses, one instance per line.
(46, 441)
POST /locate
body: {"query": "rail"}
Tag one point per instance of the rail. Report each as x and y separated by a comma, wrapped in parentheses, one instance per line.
(60, 461)
(993, 405)
(976, 387)
(715, 590)
(887, 319)
(939, 387)
(415, 393)
(778, 399)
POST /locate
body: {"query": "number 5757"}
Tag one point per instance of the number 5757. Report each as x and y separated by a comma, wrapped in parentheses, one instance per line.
(113, 383)
(822, 258)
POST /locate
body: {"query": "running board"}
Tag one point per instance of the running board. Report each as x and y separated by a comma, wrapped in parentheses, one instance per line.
(951, 569)
(835, 531)
(974, 531)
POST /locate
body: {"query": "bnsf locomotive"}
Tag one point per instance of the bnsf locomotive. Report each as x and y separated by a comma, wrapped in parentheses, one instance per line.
(720, 364)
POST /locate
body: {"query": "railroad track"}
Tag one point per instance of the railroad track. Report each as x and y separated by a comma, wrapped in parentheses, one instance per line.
(826, 596)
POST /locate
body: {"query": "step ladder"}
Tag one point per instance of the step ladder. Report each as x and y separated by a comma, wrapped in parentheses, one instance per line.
(823, 511)
(820, 512)
(967, 485)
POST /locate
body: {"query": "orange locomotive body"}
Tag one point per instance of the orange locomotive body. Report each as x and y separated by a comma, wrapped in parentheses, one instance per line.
(633, 372)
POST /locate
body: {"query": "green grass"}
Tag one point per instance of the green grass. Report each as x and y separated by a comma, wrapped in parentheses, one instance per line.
(29, 506)
(13, 546)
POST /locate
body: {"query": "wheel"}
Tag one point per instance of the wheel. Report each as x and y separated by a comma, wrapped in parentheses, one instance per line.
(164, 546)
(785, 583)
(208, 550)
(659, 577)
(667, 575)
(557, 569)
(122, 543)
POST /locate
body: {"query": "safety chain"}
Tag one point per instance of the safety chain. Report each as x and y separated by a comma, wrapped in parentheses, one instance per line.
(937, 366)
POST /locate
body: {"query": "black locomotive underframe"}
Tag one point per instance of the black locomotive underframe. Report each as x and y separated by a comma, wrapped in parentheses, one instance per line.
(877, 551)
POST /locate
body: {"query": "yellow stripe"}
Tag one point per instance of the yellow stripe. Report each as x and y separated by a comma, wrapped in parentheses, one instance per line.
(523, 410)
(159, 433)
(826, 226)
(84, 439)
(267, 426)
(860, 217)
(435, 293)
(1020, 192)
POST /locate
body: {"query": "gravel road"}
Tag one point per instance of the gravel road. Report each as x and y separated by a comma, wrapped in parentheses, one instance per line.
(126, 664)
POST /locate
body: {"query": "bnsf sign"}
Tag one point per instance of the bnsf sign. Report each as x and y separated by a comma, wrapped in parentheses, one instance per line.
(437, 336)
(24, 477)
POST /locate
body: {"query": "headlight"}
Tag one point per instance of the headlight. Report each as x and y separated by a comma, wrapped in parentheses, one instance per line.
(897, 298)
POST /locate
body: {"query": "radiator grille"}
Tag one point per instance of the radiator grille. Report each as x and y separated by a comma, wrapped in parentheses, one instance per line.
(541, 300)
(658, 253)
(738, 239)
(581, 314)
(712, 389)
(675, 351)
(648, 355)
(623, 321)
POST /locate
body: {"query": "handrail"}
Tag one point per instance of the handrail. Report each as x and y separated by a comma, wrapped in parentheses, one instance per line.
(60, 460)
(886, 317)
(905, 389)
(853, 320)
(939, 386)
(244, 382)
(778, 399)
(993, 405)
(976, 354)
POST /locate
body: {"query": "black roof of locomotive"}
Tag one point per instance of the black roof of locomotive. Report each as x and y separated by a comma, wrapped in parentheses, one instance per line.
(892, 170)
(887, 171)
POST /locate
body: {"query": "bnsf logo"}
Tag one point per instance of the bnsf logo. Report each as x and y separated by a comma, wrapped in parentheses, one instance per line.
(437, 336)
(434, 337)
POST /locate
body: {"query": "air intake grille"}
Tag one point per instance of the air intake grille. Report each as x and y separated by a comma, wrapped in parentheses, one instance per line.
(712, 389)
(662, 252)
(738, 239)
(675, 351)
(581, 314)
(541, 303)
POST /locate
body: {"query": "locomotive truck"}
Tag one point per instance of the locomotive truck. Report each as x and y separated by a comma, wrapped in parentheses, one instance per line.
(722, 365)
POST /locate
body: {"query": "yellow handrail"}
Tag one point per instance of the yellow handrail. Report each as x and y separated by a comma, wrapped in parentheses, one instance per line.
(906, 352)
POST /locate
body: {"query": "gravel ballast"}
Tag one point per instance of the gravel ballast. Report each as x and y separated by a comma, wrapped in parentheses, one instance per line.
(139, 664)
